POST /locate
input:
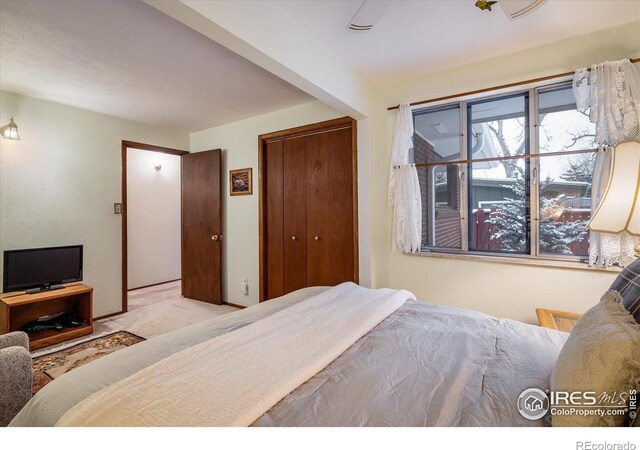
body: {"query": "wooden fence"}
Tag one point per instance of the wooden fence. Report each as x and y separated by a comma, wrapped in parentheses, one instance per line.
(482, 230)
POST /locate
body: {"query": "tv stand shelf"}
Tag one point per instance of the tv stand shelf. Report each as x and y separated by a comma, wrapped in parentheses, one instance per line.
(18, 309)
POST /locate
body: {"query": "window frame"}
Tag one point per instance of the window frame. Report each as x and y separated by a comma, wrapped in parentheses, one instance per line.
(533, 176)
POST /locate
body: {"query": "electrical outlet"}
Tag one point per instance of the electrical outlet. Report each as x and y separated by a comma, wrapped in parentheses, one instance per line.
(245, 287)
(117, 208)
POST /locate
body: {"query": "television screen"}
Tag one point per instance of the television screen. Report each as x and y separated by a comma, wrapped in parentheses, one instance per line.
(38, 267)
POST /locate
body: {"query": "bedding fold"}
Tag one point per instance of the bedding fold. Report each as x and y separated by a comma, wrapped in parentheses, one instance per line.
(233, 379)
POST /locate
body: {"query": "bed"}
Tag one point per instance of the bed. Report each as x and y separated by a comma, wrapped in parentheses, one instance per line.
(421, 365)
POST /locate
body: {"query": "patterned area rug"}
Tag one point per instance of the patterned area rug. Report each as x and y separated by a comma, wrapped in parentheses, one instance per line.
(50, 366)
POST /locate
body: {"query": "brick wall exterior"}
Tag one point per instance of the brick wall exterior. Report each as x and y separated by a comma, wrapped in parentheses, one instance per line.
(447, 220)
(423, 153)
(448, 228)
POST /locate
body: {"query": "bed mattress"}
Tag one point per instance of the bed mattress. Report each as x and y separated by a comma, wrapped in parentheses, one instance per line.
(424, 365)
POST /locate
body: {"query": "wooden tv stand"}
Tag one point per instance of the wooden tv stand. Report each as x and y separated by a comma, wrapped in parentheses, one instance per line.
(18, 309)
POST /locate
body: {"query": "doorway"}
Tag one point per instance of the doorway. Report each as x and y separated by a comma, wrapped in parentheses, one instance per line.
(170, 214)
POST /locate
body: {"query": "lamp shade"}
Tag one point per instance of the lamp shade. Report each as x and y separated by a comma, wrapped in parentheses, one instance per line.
(620, 208)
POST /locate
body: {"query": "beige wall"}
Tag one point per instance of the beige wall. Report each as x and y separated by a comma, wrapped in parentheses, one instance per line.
(239, 144)
(153, 218)
(67, 166)
(498, 289)
(59, 183)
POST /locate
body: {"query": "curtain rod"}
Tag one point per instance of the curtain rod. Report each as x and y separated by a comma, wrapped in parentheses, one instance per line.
(502, 158)
(493, 88)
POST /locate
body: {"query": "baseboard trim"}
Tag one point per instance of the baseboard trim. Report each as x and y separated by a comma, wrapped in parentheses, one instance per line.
(235, 305)
(106, 316)
(154, 284)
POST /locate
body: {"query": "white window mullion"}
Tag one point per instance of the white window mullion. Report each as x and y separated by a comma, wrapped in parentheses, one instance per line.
(534, 168)
(464, 179)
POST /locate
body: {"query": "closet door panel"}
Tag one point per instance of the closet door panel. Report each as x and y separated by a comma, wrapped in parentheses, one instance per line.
(319, 210)
(274, 242)
(330, 241)
(295, 225)
(341, 221)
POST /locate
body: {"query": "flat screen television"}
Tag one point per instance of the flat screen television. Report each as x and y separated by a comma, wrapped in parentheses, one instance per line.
(41, 268)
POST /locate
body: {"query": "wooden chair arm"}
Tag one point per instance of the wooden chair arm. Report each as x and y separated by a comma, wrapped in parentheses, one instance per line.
(557, 320)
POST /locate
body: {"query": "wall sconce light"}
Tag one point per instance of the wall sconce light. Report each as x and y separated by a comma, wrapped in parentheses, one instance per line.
(158, 167)
(10, 131)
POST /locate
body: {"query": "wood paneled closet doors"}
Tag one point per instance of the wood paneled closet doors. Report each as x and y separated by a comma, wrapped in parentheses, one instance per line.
(308, 207)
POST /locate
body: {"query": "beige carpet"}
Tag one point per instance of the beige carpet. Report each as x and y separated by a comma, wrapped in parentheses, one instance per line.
(160, 309)
(153, 311)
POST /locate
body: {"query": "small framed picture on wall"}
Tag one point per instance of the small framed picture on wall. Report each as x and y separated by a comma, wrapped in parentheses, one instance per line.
(240, 182)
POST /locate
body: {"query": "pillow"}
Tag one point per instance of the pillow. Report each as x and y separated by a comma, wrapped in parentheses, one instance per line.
(628, 285)
(602, 354)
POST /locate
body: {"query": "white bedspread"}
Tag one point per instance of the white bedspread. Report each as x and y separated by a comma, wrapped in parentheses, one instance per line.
(233, 379)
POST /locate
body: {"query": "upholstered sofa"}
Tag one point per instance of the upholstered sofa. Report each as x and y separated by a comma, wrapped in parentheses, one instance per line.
(15, 375)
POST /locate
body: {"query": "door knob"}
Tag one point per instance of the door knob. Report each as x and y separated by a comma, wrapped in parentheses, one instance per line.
(215, 237)
(317, 238)
(293, 238)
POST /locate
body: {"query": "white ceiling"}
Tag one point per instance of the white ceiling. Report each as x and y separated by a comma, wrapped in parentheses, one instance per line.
(415, 37)
(127, 59)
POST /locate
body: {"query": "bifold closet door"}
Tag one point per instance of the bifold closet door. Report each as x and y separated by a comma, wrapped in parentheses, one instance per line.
(295, 214)
(273, 185)
(329, 198)
(308, 207)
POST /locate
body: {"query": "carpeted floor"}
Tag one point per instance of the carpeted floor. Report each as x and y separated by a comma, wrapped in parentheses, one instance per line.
(160, 309)
(153, 311)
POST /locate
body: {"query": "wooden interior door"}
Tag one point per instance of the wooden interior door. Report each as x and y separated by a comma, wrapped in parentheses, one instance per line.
(295, 215)
(330, 210)
(202, 227)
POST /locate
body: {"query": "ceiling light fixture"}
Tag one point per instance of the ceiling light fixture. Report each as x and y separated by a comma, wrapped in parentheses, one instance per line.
(10, 131)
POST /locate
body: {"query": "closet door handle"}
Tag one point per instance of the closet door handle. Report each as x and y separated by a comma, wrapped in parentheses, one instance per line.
(317, 238)
(293, 238)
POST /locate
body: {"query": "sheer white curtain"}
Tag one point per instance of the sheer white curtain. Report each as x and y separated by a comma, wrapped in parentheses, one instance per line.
(404, 188)
(611, 95)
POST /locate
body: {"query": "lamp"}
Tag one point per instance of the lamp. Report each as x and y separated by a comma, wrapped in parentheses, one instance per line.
(10, 131)
(620, 208)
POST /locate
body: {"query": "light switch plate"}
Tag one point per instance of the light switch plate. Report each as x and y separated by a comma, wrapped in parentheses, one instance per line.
(117, 208)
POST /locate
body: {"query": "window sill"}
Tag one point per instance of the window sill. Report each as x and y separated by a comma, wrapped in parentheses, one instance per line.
(516, 260)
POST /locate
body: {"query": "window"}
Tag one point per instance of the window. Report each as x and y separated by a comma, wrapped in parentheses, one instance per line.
(505, 196)
(439, 141)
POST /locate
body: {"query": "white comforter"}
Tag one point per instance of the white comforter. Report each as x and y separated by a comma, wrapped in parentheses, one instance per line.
(252, 368)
